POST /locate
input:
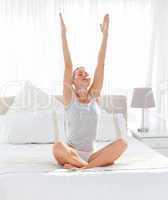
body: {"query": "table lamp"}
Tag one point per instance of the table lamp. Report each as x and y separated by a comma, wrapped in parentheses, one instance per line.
(143, 98)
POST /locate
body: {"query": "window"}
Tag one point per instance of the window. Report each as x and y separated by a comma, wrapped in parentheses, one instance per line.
(30, 45)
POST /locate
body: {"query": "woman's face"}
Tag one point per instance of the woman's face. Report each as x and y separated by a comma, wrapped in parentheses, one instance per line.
(81, 78)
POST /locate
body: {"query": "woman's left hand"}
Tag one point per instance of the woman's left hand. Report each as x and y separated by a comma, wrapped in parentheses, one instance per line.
(63, 26)
(105, 26)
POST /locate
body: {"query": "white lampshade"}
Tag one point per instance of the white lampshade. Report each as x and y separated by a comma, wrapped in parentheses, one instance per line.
(143, 98)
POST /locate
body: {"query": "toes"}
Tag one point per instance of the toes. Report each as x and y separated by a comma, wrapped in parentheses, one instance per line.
(69, 166)
(78, 162)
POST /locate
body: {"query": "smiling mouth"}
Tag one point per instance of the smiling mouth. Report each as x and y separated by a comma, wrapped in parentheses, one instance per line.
(86, 79)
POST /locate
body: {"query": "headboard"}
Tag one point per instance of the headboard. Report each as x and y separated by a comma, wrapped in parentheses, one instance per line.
(111, 103)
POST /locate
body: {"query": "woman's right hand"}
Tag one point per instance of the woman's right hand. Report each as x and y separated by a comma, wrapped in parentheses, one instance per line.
(105, 26)
(63, 27)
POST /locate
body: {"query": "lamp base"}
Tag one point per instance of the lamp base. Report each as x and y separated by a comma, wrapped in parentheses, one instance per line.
(143, 130)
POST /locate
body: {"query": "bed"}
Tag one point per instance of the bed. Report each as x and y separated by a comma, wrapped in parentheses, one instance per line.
(29, 172)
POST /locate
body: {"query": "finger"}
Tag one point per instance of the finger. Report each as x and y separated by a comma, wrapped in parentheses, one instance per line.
(106, 23)
(60, 15)
(107, 15)
(106, 27)
(104, 20)
(107, 18)
(61, 18)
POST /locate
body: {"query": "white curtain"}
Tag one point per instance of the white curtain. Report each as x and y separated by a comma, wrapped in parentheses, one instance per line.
(30, 45)
(158, 72)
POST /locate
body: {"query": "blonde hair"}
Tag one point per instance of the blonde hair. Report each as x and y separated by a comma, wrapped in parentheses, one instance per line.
(73, 75)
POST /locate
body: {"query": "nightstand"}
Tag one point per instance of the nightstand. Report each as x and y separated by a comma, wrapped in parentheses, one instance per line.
(154, 139)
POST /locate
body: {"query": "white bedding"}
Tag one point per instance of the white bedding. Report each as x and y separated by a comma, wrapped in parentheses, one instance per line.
(26, 158)
(38, 158)
(140, 174)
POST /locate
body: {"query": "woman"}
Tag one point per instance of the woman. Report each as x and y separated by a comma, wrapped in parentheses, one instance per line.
(82, 109)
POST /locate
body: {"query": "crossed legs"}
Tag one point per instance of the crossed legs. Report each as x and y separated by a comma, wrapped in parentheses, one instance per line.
(69, 157)
(107, 155)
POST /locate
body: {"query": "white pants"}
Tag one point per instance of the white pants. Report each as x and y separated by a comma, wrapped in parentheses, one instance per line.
(85, 155)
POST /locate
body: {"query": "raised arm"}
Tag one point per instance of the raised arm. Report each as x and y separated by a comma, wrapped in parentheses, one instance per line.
(97, 84)
(67, 89)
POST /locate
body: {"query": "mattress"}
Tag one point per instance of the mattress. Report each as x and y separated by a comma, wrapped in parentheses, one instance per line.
(38, 158)
(26, 158)
(29, 172)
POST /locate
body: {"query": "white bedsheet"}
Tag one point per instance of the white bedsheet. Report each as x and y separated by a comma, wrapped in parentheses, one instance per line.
(141, 174)
(38, 158)
(26, 158)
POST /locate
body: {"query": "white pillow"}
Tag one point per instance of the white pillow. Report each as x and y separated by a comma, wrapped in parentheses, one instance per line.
(121, 125)
(28, 127)
(61, 125)
(111, 126)
(33, 99)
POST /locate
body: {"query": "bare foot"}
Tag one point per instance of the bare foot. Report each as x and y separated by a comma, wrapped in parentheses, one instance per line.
(69, 166)
(85, 167)
(75, 160)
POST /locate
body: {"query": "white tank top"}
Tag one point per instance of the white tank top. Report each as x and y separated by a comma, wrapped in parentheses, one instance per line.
(82, 121)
